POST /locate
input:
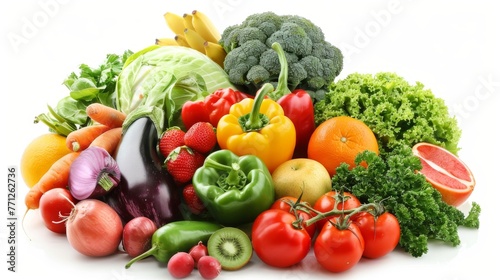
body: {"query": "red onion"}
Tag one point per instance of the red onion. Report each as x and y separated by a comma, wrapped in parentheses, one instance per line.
(93, 173)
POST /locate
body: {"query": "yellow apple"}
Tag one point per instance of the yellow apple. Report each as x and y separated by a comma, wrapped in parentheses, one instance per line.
(301, 176)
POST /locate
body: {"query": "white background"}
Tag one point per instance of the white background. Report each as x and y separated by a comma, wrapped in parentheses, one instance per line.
(450, 46)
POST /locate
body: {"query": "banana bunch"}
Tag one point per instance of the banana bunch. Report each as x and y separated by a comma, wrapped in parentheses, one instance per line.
(194, 30)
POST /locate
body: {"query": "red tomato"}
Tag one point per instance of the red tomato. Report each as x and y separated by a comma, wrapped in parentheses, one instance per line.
(381, 234)
(338, 249)
(326, 203)
(276, 241)
(284, 204)
(55, 205)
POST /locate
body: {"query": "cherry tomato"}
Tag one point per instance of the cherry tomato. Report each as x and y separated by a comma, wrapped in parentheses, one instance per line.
(55, 205)
(326, 202)
(285, 203)
(338, 249)
(277, 241)
(381, 234)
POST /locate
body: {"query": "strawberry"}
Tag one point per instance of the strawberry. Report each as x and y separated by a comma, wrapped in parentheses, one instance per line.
(171, 139)
(201, 137)
(182, 162)
(192, 200)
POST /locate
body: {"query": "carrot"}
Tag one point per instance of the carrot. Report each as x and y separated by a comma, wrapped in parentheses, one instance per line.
(56, 177)
(81, 139)
(109, 140)
(105, 115)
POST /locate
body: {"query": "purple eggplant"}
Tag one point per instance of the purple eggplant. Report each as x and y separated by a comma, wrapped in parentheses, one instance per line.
(145, 188)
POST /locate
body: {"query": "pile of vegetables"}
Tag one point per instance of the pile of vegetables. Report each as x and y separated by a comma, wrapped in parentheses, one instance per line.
(276, 86)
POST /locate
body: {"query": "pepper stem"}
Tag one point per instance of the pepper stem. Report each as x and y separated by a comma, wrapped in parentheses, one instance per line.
(282, 86)
(234, 176)
(255, 120)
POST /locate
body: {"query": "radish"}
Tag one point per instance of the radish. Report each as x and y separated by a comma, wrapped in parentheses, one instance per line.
(93, 228)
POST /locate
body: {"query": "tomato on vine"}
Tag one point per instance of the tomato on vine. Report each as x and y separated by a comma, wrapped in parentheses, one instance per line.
(327, 202)
(289, 204)
(381, 233)
(279, 239)
(339, 245)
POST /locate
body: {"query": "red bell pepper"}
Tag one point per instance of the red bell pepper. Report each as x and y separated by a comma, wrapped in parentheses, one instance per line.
(297, 105)
(212, 108)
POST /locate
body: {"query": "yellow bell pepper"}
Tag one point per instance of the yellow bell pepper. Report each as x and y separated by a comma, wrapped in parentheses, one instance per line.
(258, 127)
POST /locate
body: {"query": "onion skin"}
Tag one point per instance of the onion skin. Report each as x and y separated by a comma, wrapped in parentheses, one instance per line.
(94, 229)
(137, 235)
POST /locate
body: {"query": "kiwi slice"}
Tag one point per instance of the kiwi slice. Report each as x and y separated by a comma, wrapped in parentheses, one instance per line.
(231, 246)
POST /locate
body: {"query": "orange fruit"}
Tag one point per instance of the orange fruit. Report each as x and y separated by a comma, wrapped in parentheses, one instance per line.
(445, 172)
(340, 139)
(40, 154)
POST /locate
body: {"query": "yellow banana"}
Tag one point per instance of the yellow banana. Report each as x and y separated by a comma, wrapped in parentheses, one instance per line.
(194, 40)
(205, 27)
(174, 22)
(188, 21)
(215, 52)
(166, 42)
(181, 40)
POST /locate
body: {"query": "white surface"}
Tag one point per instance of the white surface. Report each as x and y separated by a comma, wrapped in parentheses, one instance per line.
(451, 47)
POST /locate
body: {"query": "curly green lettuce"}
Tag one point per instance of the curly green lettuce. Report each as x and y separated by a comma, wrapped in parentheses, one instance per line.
(391, 180)
(397, 111)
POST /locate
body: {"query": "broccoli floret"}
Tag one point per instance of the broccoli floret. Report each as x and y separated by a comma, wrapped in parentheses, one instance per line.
(313, 62)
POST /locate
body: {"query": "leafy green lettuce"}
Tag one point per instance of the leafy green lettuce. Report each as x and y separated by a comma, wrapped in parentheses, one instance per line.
(396, 111)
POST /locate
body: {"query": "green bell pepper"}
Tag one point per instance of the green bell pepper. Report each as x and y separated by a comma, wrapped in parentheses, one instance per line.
(234, 189)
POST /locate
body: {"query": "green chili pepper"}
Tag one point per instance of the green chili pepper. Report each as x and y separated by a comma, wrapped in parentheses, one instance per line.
(178, 236)
(235, 190)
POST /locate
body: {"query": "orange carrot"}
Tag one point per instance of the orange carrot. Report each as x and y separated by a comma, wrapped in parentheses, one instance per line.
(56, 177)
(80, 139)
(105, 115)
(109, 140)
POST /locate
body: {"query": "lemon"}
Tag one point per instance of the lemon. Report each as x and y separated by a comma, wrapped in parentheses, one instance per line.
(40, 154)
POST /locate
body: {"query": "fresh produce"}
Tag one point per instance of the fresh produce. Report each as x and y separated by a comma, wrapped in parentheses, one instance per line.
(201, 137)
(105, 115)
(93, 228)
(234, 189)
(211, 108)
(54, 205)
(81, 139)
(334, 200)
(231, 247)
(250, 61)
(302, 177)
(182, 163)
(339, 245)
(297, 106)
(192, 200)
(170, 139)
(180, 265)
(197, 251)
(380, 233)
(90, 85)
(446, 172)
(209, 267)
(108, 140)
(396, 111)
(93, 174)
(56, 177)
(136, 236)
(421, 213)
(277, 239)
(293, 205)
(40, 154)
(258, 127)
(159, 79)
(178, 236)
(145, 188)
(339, 140)
(194, 30)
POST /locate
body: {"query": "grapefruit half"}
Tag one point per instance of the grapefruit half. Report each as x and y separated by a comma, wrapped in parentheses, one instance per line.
(445, 172)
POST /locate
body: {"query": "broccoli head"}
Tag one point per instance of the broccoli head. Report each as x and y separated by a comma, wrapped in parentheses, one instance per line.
(313, 62)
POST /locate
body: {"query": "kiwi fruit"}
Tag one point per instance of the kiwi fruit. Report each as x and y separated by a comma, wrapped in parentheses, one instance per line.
(231, 246)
